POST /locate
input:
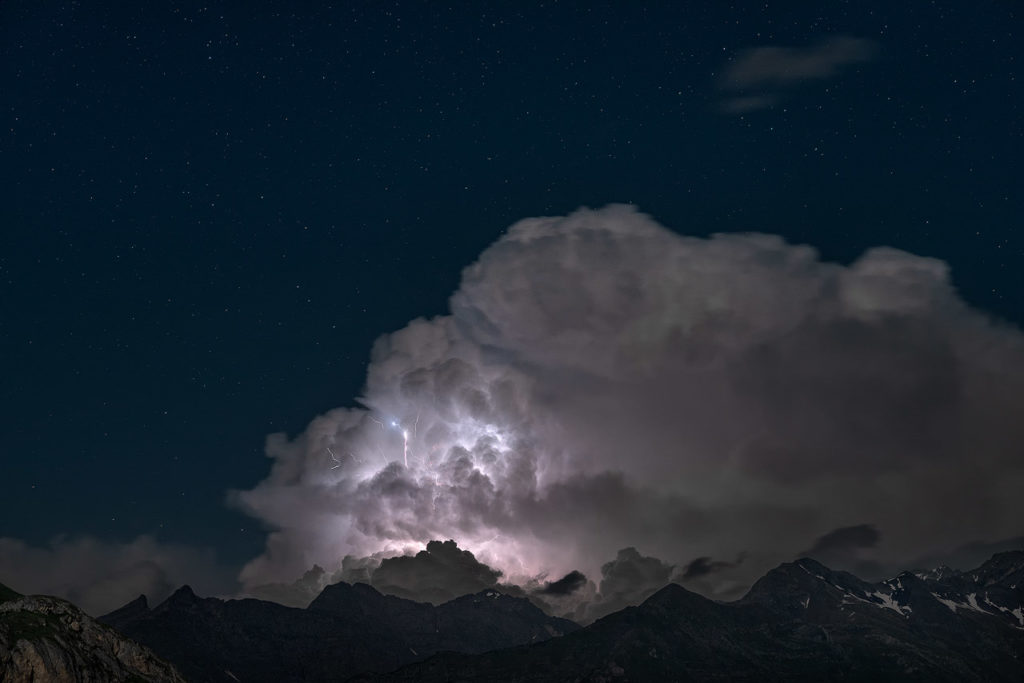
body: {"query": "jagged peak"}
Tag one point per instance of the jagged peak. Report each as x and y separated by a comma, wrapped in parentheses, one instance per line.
(343, 593)
(365, 588)
(997, 568)
(807, 563)
(181, 597)
(8, 593)
(139, 604)
(345, 588)
(184, 592)
(673, 593)
(1008, 557)
(798, 569)
(672, 589)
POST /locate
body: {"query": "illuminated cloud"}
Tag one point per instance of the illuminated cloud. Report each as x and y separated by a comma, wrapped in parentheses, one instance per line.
(440, 573)
(603, 383)
(629, 579)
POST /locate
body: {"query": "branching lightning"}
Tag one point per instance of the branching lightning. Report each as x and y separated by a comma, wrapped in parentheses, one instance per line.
(339, 463)
(405, 438)
(422, 459)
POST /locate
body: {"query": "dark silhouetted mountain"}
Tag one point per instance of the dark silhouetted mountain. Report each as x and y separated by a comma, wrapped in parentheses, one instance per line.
(48, 639)
(348, 629)
(800, 622)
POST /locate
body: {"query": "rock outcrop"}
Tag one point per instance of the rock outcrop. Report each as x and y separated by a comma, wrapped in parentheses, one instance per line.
(48, 639)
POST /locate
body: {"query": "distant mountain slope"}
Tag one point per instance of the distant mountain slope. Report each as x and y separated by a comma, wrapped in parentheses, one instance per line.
(800, 622)
(48, 639)
(345, 631)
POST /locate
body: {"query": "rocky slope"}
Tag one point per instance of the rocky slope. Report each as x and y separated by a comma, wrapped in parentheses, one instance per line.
(800, 622)
(346, 630)
(47, 639)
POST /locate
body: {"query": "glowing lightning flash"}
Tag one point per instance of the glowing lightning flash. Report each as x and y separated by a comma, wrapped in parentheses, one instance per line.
(405, 446)
(405, 439)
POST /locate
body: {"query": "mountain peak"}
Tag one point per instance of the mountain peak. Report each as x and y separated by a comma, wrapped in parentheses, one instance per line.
(183, 597)
(808, 563)
(675, 599)
(671, 592)
(184, 593)
(1009, 560)
(129, 612)
(8, 594)
(347, 629)
(360, 598)
(1002, 569)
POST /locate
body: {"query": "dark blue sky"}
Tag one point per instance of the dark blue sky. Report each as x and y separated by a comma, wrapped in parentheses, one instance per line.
(210, 211)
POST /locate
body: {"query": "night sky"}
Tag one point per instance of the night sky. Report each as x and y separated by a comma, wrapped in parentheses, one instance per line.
(211, 211)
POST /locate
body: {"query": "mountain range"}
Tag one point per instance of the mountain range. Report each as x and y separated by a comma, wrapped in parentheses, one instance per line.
(800, 622)
(346, 630)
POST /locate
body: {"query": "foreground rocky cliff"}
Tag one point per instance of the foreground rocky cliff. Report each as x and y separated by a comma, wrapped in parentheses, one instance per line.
(48, 639)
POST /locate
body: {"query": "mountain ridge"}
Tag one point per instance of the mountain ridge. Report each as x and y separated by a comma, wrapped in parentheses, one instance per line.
(348, 629)
(801, 621)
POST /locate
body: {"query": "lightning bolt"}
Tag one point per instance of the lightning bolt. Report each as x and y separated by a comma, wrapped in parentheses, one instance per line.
(405, 437)
(337, 463)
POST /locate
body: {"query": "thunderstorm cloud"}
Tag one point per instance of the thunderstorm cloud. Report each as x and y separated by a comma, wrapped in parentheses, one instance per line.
(705, 566)
(850, 547)
(602, 382)
(567, 585)
(440, 573)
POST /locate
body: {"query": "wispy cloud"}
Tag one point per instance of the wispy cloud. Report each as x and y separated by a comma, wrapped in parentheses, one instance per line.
(771, 68)
(99, 575)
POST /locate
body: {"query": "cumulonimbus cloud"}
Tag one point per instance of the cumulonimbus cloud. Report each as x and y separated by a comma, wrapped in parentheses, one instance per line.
(705, 566)
(603, 382)
(437, 574)
(567, 585)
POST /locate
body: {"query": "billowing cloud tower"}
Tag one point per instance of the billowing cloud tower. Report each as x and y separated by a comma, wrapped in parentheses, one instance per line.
(602, 382)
